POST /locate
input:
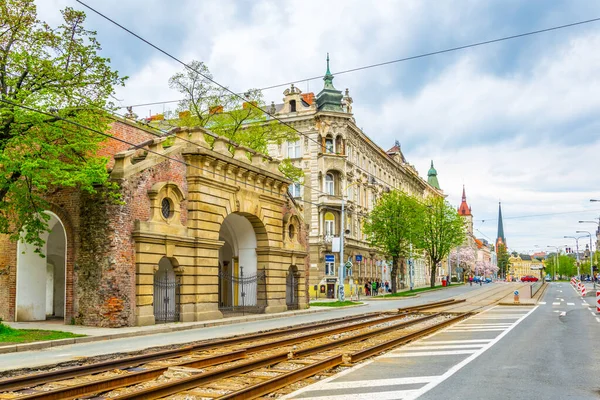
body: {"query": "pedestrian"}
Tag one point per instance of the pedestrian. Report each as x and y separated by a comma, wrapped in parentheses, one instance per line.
(374, 288)
(470, 280)
(368, 288)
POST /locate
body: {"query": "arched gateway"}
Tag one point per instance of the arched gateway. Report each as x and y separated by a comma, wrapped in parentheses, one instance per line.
(41, 276)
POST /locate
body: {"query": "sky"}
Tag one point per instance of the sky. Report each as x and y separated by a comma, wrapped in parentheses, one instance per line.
(515, 121)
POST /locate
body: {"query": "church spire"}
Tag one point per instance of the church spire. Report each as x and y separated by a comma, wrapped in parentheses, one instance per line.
(464, 208)
(432, 177)
(501, 238)
(329, 99)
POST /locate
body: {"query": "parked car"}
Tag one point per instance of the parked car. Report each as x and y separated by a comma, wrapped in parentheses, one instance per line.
(529, 278)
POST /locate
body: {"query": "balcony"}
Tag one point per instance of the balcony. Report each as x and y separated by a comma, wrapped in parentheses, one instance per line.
(332, 161)
(331, 201)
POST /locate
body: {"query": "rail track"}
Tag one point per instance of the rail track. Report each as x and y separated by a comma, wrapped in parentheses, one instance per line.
(246, 367)
(214, 361)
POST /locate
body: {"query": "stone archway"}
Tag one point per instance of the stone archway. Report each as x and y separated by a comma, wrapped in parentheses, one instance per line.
(41, 277)
(241, 284)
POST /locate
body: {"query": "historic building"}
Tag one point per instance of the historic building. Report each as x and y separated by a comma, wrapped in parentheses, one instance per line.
(342, 165)
(500, 240)
(525, 265)
(201, 231)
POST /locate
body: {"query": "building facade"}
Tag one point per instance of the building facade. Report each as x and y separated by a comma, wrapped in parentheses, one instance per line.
(342, 165)
(202, 231)
(524, 265)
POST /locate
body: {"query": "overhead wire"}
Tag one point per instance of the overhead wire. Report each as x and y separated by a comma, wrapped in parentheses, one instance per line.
(250, 104)
(423, 55)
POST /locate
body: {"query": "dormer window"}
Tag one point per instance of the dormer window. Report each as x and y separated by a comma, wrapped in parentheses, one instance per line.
(292, 105)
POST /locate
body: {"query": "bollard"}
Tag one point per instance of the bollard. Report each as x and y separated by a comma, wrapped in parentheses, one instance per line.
(598, 301)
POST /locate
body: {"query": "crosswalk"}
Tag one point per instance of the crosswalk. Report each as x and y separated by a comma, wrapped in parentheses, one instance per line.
(395, 375)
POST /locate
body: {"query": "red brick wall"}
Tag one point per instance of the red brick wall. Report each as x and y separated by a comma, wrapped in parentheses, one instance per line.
(128, 133)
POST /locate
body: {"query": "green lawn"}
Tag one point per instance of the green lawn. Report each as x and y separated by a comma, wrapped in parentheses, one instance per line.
(11, 335)
(414, 292)
(335, 303)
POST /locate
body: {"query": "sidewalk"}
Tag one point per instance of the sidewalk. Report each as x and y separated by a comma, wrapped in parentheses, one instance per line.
(95, 334)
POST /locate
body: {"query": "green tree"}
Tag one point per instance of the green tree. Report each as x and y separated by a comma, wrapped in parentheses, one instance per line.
(390, 226)
(566, 266)
(503, 258)
(56, 70)
(441, 229)
(242, 120)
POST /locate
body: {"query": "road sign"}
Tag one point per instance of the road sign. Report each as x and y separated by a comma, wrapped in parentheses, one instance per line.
(348, 264)
(598, 301)
(516, 292)
(359, 257)
(329, 258)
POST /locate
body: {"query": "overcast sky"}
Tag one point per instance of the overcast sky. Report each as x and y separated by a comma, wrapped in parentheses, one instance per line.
(515, 121)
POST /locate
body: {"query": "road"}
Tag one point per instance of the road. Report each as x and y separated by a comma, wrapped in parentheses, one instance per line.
(548, 351)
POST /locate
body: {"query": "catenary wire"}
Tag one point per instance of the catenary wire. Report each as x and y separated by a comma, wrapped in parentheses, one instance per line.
(218, 84)
(452, 49)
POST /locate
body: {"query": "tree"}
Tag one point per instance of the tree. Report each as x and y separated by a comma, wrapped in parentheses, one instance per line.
(390, 226)
(441, 229)
(465, 258)
(58, 71)
(242, 120)
(503, 258)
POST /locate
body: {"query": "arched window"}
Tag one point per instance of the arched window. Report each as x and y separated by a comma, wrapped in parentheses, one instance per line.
(329, 187)
(329, 224)
(292, 105)
(329, 145)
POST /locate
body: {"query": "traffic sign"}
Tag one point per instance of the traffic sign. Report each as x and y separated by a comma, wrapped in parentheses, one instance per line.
(348, 264)
(329, 258)
(516, 292)
(359, 257)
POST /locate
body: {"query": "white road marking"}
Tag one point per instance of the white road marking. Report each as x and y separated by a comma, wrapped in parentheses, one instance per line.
(428, 353)
(570, 304)
(394, 395)
(484, 325)
(379, 382)
(556, 304)
(476, 330)
(541, 302)
(562, 314)
(445, 346)
(597, 319)
(461, 364)
(456, 341)
(585, 304)
(560, 291)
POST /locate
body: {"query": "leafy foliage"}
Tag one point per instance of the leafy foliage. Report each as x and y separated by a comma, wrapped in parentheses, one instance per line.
(56, 70)
(391, 225)
(440, 230)
(242, 121)
(503, 258)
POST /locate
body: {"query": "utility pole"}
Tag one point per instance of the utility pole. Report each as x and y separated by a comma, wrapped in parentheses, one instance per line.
(341, 296)
(410, 267)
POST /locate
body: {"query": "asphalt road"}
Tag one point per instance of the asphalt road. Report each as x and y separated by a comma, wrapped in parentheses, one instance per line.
(554, 353)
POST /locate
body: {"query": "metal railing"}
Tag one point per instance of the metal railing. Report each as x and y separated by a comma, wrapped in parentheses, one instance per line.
(535, 287)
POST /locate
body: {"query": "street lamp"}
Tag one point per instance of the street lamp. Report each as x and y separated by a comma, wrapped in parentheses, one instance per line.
(591, 257)
(577, 249)
(556, 264)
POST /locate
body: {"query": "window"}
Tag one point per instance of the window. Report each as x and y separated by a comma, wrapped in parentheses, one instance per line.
(293, 149)
(329, 187)
(349, 152)
(329, 146)
(350, 193)
(291, 231)
(294, 190)
(166, 209)
(292, 105)
(329, 268)
(329, 224)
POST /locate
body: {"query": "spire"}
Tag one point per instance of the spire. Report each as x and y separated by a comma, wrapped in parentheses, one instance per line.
(501, 237)
(464, 208)
(432, 177)
(329, 99)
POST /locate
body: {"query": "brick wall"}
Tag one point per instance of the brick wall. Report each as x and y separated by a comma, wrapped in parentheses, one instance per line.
(127, 132)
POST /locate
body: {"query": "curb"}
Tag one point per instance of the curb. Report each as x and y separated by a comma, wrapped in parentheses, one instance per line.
(15, 348)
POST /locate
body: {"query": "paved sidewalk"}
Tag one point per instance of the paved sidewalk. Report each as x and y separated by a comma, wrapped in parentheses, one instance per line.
(229, 327)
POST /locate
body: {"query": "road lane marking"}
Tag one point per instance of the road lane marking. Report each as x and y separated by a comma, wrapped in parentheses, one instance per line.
(457, 341)
(541, 302)
(466, 361)
(379, 382)
(562, 314)
(445, 346)
(476, 330)
(556, 304)
(393, 395)
(428, 353)
(570, 304)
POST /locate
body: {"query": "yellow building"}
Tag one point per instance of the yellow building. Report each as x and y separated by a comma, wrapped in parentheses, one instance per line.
(524, 265)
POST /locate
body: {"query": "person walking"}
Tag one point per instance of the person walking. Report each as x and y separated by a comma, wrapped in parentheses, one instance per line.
(374, 288)
(470, 280)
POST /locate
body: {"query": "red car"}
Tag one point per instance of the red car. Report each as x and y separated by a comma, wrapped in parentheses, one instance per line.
(529, 278)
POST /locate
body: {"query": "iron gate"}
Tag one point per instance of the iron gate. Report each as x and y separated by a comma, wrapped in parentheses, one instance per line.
(249, 288)
(291, 291)
(166, 298)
